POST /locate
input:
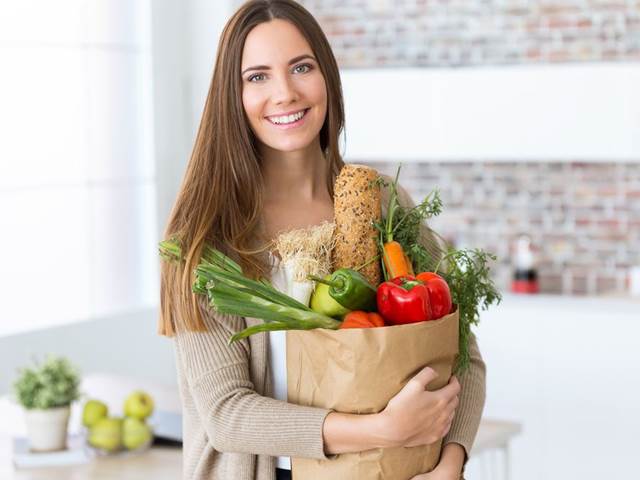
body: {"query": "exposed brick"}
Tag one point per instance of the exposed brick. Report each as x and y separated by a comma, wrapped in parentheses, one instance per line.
(475, 31)
(550, 282)
(584, 23)
(571, 237)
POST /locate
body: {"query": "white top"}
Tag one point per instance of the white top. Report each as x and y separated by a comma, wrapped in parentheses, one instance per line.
(278, 353)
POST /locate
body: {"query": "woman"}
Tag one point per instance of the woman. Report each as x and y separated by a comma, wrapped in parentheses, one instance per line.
(265, 159)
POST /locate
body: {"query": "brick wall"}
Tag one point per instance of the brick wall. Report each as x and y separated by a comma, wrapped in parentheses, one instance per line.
(583, 218)
(437, 33)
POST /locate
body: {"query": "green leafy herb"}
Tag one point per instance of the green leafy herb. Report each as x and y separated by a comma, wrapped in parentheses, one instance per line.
(471, 288)
(54, 383)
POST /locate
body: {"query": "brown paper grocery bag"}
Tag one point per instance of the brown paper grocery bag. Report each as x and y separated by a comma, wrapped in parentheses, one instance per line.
(358, 371)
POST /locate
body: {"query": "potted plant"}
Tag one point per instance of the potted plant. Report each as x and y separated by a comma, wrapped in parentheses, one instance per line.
(46, 392)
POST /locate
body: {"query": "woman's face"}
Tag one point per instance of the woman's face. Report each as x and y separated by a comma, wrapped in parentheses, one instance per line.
(283, 91)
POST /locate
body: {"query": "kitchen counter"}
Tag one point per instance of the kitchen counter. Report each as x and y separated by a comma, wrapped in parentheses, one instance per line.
(158, 462)
(621, 302)
(162, 463)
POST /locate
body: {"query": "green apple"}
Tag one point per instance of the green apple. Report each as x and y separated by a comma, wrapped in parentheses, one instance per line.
(93, 411)
(135, 433)
(138, 404)
(106, 434)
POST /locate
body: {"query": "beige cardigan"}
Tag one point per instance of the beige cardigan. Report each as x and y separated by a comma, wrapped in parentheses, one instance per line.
(233, 429)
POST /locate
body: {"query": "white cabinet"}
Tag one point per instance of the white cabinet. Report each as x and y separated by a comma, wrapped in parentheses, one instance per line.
(580, 111)
(568, 370)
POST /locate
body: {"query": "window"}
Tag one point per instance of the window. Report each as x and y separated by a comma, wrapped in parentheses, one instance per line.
(77, 179)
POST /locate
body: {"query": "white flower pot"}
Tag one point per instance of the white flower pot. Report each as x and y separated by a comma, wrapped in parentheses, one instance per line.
(47, 429)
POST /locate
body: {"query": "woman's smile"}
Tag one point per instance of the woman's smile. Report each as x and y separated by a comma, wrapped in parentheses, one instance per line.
(288, 121)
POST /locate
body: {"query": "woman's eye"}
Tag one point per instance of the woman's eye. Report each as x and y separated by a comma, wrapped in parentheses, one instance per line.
(304, 66)
(253, 77)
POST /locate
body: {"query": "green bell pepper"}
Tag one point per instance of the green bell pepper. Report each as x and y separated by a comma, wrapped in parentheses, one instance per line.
(350, 289)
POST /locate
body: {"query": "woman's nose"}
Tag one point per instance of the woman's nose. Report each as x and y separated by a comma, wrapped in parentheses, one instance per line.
(284, 91)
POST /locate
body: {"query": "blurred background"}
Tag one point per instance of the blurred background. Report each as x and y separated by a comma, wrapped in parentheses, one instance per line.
(525, 114)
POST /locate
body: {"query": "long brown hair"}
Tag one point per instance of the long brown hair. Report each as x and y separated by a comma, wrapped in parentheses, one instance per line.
(220, 199)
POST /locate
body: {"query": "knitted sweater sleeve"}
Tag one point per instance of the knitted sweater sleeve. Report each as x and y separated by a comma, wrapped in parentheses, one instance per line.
(472, 396)
(235, 417)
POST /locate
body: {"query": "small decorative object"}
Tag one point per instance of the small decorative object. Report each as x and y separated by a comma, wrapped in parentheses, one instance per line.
(525, 276)
(46, 392)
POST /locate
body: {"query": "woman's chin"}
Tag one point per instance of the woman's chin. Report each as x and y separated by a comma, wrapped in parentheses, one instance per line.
(293, 145)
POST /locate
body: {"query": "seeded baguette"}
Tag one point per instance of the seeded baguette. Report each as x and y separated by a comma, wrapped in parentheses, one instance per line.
(356, 207)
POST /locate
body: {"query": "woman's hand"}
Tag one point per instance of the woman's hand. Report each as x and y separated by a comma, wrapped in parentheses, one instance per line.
(450, 465)
(416, 416)
(438, 474)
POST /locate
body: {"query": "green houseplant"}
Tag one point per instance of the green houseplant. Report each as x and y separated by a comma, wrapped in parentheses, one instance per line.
(46, 392)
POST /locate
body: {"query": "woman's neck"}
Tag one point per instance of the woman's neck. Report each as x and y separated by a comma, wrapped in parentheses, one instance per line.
(294, 176)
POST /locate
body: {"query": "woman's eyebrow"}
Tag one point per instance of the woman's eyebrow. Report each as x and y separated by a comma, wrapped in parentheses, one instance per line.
(291, 62)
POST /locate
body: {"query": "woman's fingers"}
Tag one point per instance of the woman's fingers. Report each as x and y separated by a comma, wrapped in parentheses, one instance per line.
(452, 388)
(424, 377)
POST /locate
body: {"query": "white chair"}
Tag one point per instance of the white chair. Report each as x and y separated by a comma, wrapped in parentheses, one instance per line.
(491, 449)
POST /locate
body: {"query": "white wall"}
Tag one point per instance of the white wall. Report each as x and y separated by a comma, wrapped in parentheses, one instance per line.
(124, 344)
(77, 185)
(184, 41)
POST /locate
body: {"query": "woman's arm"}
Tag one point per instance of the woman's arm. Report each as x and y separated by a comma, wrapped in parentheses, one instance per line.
(235, 417)
(345, 432)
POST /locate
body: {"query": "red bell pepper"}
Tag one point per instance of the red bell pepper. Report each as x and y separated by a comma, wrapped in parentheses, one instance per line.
(404, 300)
(439, 293)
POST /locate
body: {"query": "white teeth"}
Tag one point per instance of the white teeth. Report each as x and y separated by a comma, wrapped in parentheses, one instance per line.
(288, 118)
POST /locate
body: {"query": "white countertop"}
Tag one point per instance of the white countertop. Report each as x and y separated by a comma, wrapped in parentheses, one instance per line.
(608, 303)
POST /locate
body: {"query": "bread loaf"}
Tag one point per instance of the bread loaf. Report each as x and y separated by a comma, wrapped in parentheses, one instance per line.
(356, 207)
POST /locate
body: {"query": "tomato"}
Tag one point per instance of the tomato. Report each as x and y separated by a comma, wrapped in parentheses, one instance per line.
(360, 319)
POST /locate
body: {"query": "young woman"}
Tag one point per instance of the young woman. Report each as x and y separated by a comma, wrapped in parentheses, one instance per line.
(265, 160)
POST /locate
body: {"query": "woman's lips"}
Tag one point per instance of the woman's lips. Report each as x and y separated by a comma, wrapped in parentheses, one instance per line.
(287, 126)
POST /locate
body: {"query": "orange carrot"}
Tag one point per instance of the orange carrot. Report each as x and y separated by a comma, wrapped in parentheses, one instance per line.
(396, 262)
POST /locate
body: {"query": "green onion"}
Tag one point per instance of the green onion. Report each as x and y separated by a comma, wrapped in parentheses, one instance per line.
(264, 327)
(230, 292)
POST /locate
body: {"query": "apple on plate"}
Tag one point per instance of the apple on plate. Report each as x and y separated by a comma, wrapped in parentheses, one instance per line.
(106, 434)
(135, 433)
(93, 411)
(138, 405)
